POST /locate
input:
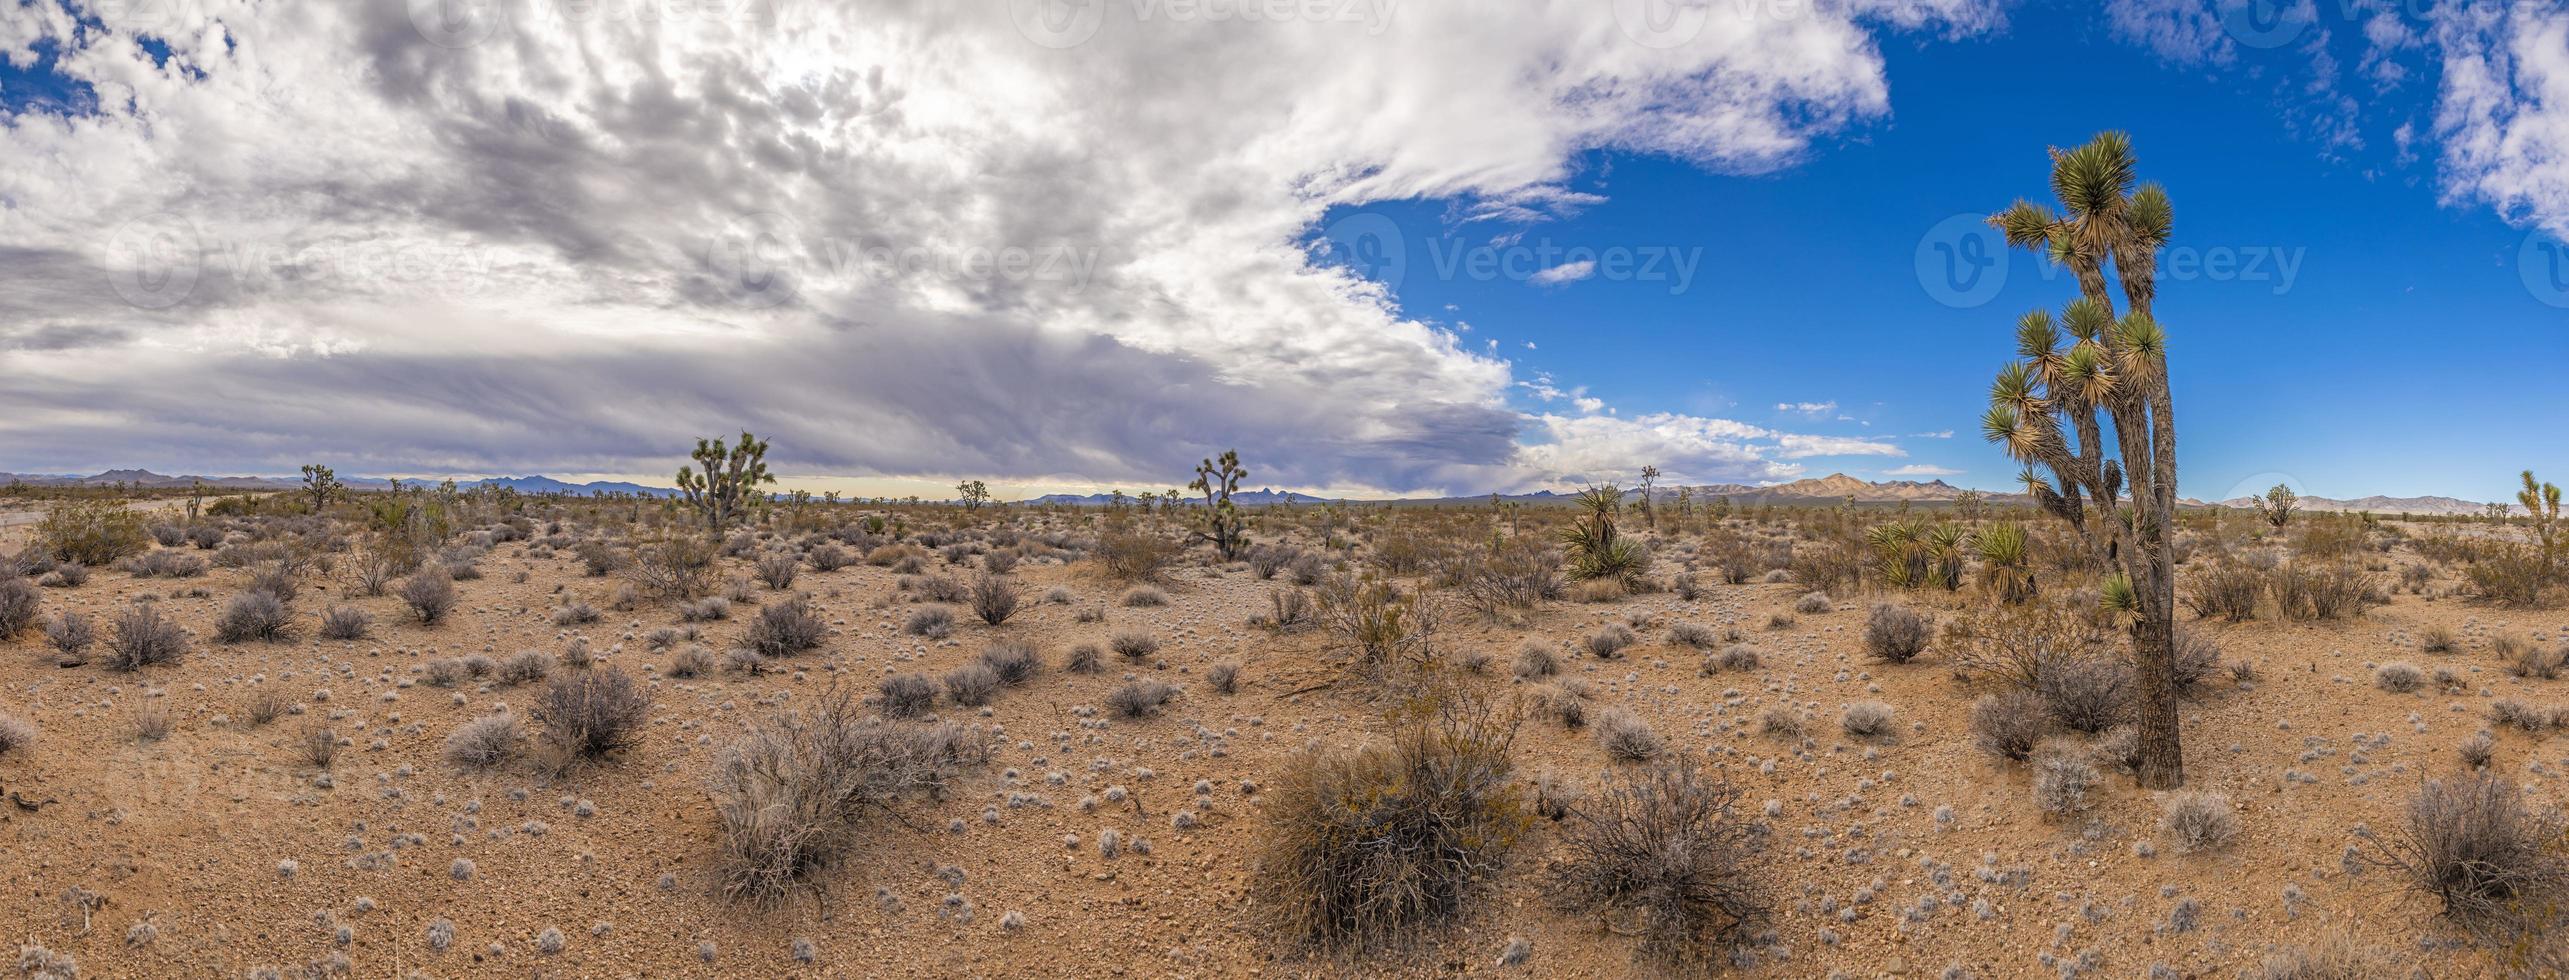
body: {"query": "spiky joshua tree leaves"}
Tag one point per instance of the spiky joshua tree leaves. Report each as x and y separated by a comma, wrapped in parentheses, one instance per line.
(723, 488)
(1596, 549)
(2051, 407)
(1222, 522)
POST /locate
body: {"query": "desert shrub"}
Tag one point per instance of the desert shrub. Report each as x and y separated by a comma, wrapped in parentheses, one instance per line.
(1378, 622)
(1813, 604)
(1626, 737)
(485, 741)
(2061, 783)
(2512, 713)
(345, 623)
(257, 615)
(1361, 848)
(1141, 698)
(2085, 694)
(430, 593)
(694, 661)
(2322, 591)
(1692, 635)
(591, 713)
(801, 789)
(2511, 574)
(1085, 658)
(1494, 582)
(19, 602)
(2198, 821)
(940, 588)
(1663, 847)
(1738, 656)
(778, 571)
(1565, 702)
(263, 706)
(1133, 556)
(1608, 643)
(446, 672)
(2477, 750)
(1867, 720)
(16, 734)
(2399, 678)
(143, 638)
(1536, 660)
(710, 609)
(2010, 723)
(993, 598)
(318, 745)
(1288, 608)
(92, 532)
(1223, 677)
(527, 667)
(2439, 639)
(2228, 590)
(933, 622)
(783, 629)
(164, 564)
(907, 695)
(827, 558)
(68, 575)
(1014, 663)
(2535, 663)
(676, 569)
(1780, 722)
(972, 685)
(2197, 658)
(1145, 597)
(71, 635)
(574, 614)
(1266, 560)
(1135, 647)
(1895, 634)
(2492, 862)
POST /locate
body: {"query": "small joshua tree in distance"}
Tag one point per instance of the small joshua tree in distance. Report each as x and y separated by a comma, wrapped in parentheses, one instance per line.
(321, 484)
(722, 490)
(2277, 505)
(973, 494)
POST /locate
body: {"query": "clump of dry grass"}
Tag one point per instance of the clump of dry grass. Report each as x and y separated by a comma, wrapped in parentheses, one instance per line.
(1626, 737)
(1896, 634)
(1362, 848)
(801, 788)
(589, 714)
(2199, 821)
(2489, 859)
(1662, 847)
(2010, 724)
(485, 741)
(144, 637)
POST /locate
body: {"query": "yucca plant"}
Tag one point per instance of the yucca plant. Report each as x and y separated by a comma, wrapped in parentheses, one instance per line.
(2007, 560)
(1595, 549)
(2048, 408)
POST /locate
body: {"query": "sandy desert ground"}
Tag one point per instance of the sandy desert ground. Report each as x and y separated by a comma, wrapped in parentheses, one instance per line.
(218, 849)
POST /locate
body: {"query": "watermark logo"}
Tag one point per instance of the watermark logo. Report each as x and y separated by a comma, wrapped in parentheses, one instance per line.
(2543, 261)
(2266, 24)
(753, 256)
(1370, 245)
(1962, 262)
(1661, 23)
(1058, 23)
(154, 260)
(1549, 264)
(456, 23)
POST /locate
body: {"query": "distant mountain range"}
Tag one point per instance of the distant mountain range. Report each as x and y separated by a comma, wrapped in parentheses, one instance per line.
(147, 478)
(1830, 488)
(2444, 506)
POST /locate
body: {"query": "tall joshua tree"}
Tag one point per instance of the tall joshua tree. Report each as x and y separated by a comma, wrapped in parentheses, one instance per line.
(2113, 373)
(720, 485)
(1222, 522)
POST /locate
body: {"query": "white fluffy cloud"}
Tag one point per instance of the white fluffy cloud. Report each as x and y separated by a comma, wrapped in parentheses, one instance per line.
(907, 237)
(2504, 112)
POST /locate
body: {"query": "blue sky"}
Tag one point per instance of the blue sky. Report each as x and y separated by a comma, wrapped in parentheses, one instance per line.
(1072, 245)
(2374, 338)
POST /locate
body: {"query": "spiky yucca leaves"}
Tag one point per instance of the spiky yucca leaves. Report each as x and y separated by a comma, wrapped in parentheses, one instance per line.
(2542, 505)
(1595, 549)
(2113, 370)
(1910, 553)
(2007, 560)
